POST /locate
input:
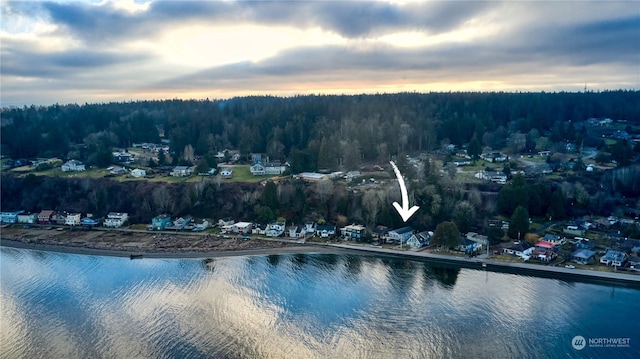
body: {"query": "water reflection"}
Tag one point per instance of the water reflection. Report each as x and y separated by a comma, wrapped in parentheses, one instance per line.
(291, 306)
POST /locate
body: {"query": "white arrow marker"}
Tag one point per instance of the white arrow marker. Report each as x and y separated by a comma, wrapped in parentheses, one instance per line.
(403, 210)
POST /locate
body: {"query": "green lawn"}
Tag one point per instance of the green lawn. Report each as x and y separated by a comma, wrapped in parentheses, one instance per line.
(243, 174)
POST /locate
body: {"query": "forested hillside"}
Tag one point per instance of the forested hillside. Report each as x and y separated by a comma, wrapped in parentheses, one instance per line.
(311, 132)
(339, 133)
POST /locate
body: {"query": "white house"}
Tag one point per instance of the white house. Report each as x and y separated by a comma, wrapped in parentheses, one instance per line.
(275, 229)
(310, 228)
(420, 240)
(325, 230)
(312, 176)
(227, 221)
(73, 166)
(181, 171)
(260, 229)
(275, 168)
(28, 218)
(257, 170)
(73, 219)
(227, 172)
(137, 173)
(115, 219)
(200, 225)
(614, 258)
(295, 232)
(242, 227)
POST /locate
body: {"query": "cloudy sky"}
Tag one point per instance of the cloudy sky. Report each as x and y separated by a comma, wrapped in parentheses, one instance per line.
(100, 51)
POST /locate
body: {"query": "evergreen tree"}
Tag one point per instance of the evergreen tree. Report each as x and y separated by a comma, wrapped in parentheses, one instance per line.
(556, 205)
(519, 224)
(269, 196)
(474, 149)
(446, 235)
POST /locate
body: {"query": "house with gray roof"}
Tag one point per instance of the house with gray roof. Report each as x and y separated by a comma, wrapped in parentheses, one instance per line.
(583, 256)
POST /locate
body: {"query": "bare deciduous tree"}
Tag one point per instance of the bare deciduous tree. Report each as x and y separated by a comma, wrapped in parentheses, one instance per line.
(371, 201)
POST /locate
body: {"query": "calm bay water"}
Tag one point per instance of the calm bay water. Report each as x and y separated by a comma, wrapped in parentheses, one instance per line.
(57, 305)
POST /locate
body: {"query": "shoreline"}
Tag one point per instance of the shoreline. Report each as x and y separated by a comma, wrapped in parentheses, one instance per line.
(300, 248)
(180, 246)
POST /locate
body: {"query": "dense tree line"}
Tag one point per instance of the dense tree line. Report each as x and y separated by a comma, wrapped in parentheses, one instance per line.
(312, 132)
(323, 132)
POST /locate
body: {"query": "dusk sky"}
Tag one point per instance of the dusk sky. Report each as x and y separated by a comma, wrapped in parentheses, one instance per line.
(102, 51)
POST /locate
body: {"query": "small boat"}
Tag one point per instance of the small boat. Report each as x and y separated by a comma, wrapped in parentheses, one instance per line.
(135, 256)
(484, 265)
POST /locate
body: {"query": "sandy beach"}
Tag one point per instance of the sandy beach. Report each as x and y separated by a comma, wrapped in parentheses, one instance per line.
(150, 244)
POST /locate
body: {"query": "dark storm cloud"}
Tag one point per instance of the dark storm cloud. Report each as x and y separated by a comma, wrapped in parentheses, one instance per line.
(20, 60)
(349, 18)
(338, 61)
(615, 40)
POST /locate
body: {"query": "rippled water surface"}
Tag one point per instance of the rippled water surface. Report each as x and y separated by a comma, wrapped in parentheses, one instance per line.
(56, 305)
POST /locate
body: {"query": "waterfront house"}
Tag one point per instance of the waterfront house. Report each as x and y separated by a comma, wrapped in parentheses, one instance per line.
(179, 224)
(10, 217)
(73, 166)
(545, 255)
(380, 232)
(399, 235)
(242, 227)
(353, 232)
(295, 232)
(45, 216)
(226, 221)
(27, 218)
(91, 221)
(275, 229)
(137, 173)
(468, 246)
(116, 219)
(614, 258)
(583, 256)
(73, 219)
(517, 249)
(59, 218)
(310, 228)
(260, 229)
(200, 225)
(419, 240)
(478, 238)
(325, 230)
(160, 222)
